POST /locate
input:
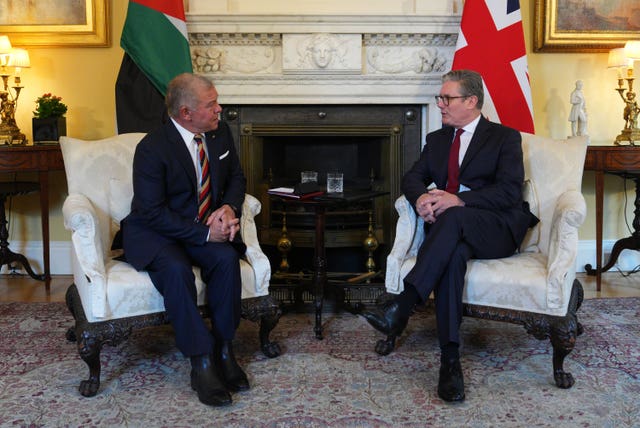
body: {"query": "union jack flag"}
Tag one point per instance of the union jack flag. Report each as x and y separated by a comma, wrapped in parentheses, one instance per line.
(491, 42)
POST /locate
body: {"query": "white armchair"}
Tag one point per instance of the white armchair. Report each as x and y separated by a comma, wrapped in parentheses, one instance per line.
(109, 298)
(537, 286)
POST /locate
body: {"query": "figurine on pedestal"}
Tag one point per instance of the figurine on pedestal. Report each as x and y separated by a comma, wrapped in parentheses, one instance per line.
(578, 114)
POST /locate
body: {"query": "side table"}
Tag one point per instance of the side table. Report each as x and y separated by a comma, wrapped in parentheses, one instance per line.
(40, 159)
(625, 162)
(320, 204)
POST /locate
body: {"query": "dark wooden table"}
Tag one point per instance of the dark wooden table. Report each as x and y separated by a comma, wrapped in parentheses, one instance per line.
(320, 205)
(40, 159)
(623, 161)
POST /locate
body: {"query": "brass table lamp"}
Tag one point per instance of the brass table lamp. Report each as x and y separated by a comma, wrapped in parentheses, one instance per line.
(17, 59)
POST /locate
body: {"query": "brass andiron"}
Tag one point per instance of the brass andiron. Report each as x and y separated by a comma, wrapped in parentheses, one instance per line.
(284, 246)
(370, 245)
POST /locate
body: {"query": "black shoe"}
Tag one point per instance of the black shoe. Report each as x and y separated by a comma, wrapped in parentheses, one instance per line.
(451, 383)
(232, 375)
(205, 381)
(387, 319)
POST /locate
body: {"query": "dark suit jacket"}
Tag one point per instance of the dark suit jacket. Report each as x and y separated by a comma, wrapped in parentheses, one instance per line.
(492, 168)
(165, 197)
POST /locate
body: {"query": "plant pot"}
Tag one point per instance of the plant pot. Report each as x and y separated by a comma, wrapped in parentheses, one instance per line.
(48, 129)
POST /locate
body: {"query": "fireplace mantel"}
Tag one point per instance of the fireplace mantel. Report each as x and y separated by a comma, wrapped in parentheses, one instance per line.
(323, 59)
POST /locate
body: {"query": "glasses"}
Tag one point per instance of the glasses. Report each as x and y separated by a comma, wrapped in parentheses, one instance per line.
(446, 99)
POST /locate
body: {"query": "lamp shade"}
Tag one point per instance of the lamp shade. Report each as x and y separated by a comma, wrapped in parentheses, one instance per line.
(617, 58)
(632, 49)
(19, 58)
(5, 45)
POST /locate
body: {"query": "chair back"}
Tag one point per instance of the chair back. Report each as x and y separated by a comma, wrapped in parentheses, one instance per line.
(552, 167)
(101, 170)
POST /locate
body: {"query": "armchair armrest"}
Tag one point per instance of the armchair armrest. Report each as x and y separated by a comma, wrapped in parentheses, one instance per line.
(256, 258)
(569, 214)
(80, 218)
(409, 236)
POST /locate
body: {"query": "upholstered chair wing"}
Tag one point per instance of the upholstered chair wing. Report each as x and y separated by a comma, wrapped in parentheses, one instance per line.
(537, 286)
(109, 298)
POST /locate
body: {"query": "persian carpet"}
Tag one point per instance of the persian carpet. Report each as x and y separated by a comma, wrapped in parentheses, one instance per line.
(338, 382)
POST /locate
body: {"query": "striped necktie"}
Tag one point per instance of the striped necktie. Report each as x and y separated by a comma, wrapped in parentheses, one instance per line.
(453, 168)
(204, 195)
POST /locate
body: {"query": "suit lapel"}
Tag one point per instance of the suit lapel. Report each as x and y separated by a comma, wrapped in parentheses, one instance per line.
(442, 156)
(181, 153)
(478, 141)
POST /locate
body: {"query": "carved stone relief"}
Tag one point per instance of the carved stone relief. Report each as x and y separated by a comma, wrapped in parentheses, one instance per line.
(236, 53)
(407, 53)
(322, 53)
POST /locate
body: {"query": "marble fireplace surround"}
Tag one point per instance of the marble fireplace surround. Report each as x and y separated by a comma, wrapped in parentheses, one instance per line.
(327, 59)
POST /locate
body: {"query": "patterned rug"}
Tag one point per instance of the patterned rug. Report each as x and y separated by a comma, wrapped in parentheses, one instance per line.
(337, 382)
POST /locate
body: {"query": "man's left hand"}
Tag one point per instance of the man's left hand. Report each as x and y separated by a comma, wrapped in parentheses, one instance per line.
(441, 201)
(223, 224)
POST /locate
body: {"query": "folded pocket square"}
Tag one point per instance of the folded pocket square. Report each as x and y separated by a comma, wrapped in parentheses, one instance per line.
(224, 155)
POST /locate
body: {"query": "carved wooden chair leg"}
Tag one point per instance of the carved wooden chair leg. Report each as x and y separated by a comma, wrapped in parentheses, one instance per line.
(563, 379)
(265, 311)
(268, 323)
(89, 349)
(563, 337)
(385, 346)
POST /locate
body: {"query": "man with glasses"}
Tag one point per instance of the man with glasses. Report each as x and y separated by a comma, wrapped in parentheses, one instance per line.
(467, 187)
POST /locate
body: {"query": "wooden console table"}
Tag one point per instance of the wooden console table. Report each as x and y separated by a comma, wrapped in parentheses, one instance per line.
(625, 162)
(40, 159)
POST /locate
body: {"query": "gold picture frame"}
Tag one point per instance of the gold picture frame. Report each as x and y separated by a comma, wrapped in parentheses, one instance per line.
(581, 26)
(87, 26)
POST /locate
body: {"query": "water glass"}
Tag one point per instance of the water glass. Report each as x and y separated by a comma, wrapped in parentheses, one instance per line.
(308, 176)
(334, 182)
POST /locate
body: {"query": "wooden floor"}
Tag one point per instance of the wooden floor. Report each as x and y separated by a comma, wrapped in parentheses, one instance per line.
(21, 288)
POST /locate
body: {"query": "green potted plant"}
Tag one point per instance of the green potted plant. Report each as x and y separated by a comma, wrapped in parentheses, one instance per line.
(48, 120)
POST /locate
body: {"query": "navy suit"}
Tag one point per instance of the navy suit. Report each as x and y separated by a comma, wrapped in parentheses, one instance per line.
(492, 223)
(161, 234)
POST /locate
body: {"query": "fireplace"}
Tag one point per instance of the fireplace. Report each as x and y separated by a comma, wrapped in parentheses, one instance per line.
(373, 145)
(327, 92)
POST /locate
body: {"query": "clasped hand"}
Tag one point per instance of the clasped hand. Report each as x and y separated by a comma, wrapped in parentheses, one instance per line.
(433, 203)
(223, 224)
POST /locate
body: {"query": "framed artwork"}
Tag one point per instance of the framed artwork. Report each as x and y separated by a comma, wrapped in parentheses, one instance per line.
(585, 25)
(55, 22)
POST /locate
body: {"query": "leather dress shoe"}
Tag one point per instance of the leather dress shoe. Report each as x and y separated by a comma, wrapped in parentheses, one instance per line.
(233, 377)
(205, 381)
(387, 319)
(451, 383)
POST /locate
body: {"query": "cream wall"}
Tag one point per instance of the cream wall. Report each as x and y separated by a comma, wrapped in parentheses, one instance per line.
(85, 78)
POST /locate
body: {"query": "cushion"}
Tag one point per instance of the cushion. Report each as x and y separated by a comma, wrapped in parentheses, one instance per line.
(485, 281)
(132, 293)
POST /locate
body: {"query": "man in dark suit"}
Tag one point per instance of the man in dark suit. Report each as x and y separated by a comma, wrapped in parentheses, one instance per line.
(469, 193)
(166, 234)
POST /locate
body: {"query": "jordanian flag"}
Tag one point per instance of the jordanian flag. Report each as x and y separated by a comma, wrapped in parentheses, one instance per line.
(155, 38)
